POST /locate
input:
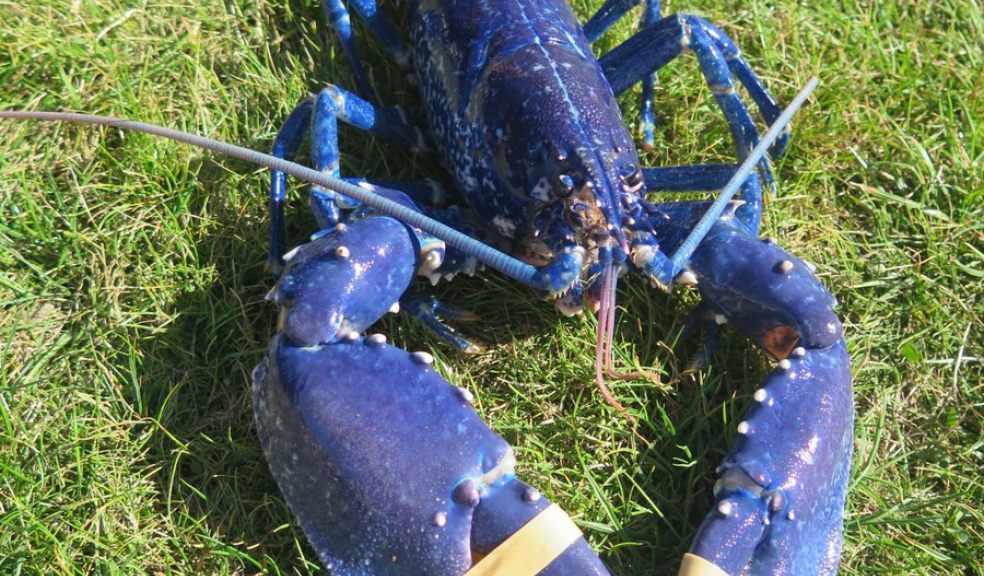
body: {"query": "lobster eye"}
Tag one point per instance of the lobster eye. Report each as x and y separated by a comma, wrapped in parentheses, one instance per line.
(564, 185)
(631, 175)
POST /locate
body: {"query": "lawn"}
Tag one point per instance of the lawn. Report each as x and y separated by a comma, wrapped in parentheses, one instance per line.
(132, 281)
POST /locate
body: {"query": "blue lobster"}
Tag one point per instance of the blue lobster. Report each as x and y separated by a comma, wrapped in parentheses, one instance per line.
(525, 119)
(385, 465)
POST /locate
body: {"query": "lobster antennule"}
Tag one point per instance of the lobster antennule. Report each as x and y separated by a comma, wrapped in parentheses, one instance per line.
(606, 331)
(606, 335)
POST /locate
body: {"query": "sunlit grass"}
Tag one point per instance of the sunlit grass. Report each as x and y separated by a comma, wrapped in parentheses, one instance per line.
(132, 284)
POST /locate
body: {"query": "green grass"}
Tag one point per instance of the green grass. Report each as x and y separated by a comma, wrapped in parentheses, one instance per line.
(132, 284)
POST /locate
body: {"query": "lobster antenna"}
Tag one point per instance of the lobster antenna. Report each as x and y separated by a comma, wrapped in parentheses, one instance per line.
(486, 254)
(686, 249)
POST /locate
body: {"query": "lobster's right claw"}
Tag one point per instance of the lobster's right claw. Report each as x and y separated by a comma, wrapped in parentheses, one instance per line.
(344, 280)
(386, 466)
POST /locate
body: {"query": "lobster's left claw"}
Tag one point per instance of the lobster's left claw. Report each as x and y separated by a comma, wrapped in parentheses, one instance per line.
(780, 498)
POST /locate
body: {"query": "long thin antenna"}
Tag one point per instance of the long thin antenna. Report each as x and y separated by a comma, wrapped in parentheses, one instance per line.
(491, 257)
(686, 249)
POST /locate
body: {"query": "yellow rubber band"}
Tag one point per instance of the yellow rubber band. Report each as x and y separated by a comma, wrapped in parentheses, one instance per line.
(531, 548)
(693, 565)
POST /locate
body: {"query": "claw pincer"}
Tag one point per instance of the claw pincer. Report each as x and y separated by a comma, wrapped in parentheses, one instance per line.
(386, 466)
(780, 497)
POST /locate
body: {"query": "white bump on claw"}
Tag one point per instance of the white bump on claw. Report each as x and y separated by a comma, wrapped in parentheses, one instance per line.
(744, 428)
(785, 364)
(760, 395)
(791, 516)
(776, 502)
(422, 358)
(432, 261)
(466, 395)
(376, 340)
(351, 336)
(720, 319)
(799, 352)
(440, 519)
(785, 266)
(724, 508)
(395, 308)
(290, 255)
(531, 495)
(342, 252)
(686, 278)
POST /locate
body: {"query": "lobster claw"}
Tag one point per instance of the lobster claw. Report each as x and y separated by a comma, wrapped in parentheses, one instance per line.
(780, 498)
(386, 466)
(323, 293)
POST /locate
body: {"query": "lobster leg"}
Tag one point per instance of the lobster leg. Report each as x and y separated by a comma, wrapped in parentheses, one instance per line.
(381, 28)
(285, 146)
(649, 50)
(602, 20)
(651, 14)
(385, 465)
(780, 498)
(319, 116)
(338, 17)
(608, 14)
(709, 177)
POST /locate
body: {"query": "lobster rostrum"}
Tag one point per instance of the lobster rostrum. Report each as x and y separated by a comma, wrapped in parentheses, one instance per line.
(384, 463)
(525, 119)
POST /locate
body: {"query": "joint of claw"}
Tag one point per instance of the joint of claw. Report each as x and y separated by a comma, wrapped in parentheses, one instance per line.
(469, 491)
(722, 89)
